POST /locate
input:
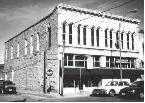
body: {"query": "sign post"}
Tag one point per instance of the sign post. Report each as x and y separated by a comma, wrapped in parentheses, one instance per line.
(49, 73)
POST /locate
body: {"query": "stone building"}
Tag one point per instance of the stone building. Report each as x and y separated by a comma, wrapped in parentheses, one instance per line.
(87, 39)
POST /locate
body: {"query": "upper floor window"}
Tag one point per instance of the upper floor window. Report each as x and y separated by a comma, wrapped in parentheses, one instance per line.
(37, 42)
(49, 31)
(106, 38)
(84, 35)
(111, 31)
(63, 31)
(92, 36)
(79, 33)
(70, 33)
(18, 49)
(122, 39)
(97, 36)
(12, 50)
(128, 40)
(26, 46)
(31, 44)
(117, 39)
(132, 37)
(6, 54)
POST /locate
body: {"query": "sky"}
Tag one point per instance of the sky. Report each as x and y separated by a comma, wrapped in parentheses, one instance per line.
(17, 15)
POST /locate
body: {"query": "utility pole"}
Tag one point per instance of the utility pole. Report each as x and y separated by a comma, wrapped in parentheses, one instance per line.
(62, 70)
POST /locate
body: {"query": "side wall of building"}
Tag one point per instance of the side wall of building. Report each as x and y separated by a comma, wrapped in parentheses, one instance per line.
(27, 70)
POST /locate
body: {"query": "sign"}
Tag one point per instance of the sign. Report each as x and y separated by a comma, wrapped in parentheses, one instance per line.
(122, 61)
(49, 72)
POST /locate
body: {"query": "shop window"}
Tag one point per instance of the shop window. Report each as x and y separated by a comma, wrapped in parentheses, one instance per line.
(68, 60)
(107, 61)
(79, 32)
(132, 63)
(96, 61)
(97, 37)
(92, 36)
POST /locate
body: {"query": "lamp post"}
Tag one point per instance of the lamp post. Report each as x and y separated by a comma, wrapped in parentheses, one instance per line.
(132, 11)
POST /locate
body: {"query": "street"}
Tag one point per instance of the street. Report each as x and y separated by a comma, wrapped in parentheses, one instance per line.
(32, 98)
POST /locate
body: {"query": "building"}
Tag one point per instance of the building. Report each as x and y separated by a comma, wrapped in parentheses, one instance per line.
(80, 40)
(2, 73)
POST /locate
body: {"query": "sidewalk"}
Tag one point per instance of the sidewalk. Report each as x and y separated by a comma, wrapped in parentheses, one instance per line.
(53, 95)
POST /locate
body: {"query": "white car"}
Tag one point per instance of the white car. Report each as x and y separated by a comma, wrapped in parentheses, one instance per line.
(111, 88)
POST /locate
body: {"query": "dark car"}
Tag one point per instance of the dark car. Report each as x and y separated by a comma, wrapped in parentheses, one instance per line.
(7, 87)
(136, 89)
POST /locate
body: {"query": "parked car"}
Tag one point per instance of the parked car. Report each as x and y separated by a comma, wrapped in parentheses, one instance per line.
(7, 87)
(136, 89)
(111, 88)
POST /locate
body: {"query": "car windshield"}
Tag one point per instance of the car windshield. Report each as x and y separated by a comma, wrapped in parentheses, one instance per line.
(112, 83)
(137, 83)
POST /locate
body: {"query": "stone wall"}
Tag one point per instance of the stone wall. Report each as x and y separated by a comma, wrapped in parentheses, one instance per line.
(29, 69)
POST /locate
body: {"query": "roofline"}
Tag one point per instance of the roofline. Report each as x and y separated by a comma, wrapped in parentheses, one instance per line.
(44, 18)
(98, 13)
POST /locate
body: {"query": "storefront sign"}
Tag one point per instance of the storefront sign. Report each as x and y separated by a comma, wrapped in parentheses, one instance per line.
(122, 61)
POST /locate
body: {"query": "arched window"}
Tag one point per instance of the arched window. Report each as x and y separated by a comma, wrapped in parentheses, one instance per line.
(6, 54)
(92, 36)
(132, 37)
(128, 40)
(106, 37)
(111, 32)
(18, 49)
(25, 46)
(63, 30)
(122, 39)
(31, 44)
(97, 36)
(37, 42)
(12, 50)
(84, 35)
(79, 33)
(70, 33)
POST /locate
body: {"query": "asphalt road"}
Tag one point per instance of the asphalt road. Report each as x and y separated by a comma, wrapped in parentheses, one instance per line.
(32, 98)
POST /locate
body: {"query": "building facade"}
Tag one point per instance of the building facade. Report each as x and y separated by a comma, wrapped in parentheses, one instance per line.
(80, 44)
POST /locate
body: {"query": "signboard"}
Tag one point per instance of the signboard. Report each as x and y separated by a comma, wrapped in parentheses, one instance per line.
(122, 61)
(49, 72)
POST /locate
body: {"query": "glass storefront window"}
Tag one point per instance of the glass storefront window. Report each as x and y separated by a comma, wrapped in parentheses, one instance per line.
(96, 61)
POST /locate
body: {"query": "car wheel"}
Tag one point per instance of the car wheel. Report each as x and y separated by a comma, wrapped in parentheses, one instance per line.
(141, 95)
(112, 93)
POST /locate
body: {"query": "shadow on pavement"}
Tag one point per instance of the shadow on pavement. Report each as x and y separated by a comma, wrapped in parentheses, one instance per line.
(24, 100)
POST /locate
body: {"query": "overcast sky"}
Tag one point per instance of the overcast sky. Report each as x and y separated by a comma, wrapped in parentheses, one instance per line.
(16, 15)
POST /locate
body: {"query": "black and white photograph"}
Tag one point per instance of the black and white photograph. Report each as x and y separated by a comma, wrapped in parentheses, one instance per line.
(72, 51)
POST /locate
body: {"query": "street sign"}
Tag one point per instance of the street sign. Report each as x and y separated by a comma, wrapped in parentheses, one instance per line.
(49, 72)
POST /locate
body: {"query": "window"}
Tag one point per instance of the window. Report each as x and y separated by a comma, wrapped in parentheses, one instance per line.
(18, 47)
(37, 45)
(122, 39)
(96, 61)
(25, 46)
(63, 30)
(31, 44)
(84, 35)
(111, 38)
(79, 32)
(132, 63)
(127, 40)
(75, 60)
(117, 39)
(68, 60)
(106, 38)
(92, 36)
(70, 33)
(6, 54)
(80, 61)
(12, 50)
(97, 36)
(49, 31)
(132, 36)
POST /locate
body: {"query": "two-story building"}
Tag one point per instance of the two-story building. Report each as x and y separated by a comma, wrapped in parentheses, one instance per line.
(78, 43)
